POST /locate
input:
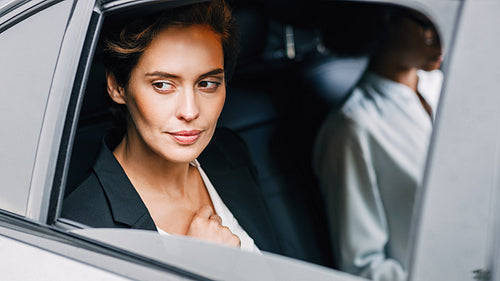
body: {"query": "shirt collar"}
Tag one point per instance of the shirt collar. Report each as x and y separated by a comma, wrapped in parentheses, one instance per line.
(429, 86)
(390, 88)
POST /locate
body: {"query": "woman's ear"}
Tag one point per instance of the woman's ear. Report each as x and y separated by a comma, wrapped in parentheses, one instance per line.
(116, 92)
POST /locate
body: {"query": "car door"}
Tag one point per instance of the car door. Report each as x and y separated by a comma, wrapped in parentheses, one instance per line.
(454, 231)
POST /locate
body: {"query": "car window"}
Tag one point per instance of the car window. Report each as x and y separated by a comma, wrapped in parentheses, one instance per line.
(28, 53)
(283, 157)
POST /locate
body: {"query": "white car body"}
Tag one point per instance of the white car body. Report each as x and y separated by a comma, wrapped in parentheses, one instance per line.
(456, 224)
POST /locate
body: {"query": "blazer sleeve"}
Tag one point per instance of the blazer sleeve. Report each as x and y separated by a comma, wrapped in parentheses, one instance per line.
(87, 204)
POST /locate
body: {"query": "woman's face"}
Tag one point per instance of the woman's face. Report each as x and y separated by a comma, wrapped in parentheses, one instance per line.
(416, 43)
(175, 93)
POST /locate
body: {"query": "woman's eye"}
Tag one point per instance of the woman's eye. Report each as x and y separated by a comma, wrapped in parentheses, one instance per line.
(163, 86)
(209, 85)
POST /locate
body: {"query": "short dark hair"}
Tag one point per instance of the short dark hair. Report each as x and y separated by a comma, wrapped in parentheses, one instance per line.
(124, 44)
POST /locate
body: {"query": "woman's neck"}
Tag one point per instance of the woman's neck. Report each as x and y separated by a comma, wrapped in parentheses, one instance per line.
(148, 171)
(392, 69)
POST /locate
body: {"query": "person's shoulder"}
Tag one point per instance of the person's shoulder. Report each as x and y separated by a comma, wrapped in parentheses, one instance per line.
(348, 125)
(87, 204)
(353, 117)
(88, 189)
(227, 137)
(229, 146)
(366, 99)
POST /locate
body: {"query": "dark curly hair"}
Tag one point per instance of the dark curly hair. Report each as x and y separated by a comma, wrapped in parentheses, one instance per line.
(125, 43)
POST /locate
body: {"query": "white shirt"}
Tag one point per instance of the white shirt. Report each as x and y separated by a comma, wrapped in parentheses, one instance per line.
(224, 213)
(369, 159)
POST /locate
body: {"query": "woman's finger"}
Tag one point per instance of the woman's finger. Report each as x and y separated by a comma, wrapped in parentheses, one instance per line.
(216, 218)
(204, 212)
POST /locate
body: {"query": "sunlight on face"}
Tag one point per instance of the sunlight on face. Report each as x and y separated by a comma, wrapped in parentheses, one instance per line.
(176, 93)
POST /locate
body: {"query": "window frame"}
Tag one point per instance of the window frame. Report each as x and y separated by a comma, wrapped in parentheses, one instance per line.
(44, 169)
(72, 116)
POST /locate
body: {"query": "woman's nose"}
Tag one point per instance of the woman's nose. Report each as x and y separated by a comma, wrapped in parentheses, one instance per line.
(188, 108)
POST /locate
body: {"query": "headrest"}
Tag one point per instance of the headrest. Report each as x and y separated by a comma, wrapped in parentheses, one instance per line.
(331, 78)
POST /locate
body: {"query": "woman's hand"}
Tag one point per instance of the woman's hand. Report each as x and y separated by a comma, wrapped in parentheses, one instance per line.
(206, 225)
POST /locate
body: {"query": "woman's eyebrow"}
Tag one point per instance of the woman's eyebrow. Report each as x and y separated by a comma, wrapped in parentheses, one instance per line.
(212, 73)
(162, 74)
(169, 75)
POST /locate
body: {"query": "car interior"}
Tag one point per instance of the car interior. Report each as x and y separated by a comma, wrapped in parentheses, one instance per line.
(297, 62)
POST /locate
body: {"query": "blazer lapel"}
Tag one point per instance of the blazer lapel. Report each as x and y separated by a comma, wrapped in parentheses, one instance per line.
(125, 203)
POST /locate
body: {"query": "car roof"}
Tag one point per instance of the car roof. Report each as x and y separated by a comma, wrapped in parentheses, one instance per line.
(141, 6)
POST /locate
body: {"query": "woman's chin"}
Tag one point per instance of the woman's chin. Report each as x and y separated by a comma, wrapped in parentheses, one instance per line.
(179, 150)
(182, 155)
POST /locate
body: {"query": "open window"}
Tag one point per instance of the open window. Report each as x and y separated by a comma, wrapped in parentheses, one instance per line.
(89, 119)
(285, 62)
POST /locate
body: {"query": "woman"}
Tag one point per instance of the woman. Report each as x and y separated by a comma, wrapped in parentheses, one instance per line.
(370, 156)
(169, 74)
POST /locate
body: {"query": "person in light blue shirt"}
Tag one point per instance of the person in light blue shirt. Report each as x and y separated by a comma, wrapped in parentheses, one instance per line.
(369, 157)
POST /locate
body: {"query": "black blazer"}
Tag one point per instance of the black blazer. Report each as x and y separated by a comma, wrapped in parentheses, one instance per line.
(106, 198)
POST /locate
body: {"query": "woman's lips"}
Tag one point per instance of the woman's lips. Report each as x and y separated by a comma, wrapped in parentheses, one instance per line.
(186, 137)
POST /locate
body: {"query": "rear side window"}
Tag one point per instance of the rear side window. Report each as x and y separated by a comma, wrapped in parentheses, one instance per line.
(28, 53)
